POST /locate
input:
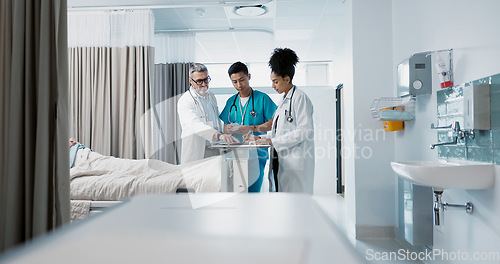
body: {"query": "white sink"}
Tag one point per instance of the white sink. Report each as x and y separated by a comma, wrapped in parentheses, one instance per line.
(444, 175)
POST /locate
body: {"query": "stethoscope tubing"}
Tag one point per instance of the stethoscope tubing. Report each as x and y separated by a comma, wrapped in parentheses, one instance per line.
(289, 118)
(201, 108)
(252, 113)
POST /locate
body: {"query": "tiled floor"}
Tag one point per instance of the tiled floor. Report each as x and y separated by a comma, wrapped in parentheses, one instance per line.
(373, 250)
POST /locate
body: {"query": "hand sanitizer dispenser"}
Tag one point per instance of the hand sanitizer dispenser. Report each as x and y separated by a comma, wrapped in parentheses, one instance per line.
(477, 106)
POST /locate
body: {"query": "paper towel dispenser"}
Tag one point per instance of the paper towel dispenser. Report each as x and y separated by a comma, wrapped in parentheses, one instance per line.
(477, 106)
(415, 75)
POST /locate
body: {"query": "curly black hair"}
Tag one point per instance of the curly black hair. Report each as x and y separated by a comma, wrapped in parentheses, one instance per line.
(283, 61)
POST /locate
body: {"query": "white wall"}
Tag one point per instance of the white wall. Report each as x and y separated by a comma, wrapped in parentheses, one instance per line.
(471, 29)
(348, 123)
(370, 184)
(323, 100)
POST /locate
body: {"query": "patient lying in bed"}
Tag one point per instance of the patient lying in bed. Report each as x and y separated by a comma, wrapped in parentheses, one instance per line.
(105, 178)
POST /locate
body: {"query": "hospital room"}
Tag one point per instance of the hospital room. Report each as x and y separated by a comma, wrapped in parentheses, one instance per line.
(249, 131)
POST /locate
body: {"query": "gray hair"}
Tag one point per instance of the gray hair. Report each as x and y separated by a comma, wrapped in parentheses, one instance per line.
(197, 67)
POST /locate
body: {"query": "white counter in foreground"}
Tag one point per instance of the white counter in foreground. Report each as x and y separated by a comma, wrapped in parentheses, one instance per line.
(198, 228)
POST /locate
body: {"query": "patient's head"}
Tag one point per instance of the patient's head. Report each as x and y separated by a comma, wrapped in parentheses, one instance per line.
(72, 142)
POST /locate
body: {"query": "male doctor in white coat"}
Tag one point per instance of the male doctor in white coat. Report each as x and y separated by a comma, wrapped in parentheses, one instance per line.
(199, 117)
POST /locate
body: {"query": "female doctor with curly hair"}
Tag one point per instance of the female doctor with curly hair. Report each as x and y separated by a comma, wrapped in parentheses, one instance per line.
(292, 131)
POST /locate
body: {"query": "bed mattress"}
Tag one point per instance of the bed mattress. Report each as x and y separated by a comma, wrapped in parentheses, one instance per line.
(105, 178)
(80, 209)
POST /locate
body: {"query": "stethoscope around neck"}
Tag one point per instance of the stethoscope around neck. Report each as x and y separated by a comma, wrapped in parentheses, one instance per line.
(252, 113)
(202, 107)
(289, 117)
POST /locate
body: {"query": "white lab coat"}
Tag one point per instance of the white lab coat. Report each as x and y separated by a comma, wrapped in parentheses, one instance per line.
(294, 143)
(196, 129)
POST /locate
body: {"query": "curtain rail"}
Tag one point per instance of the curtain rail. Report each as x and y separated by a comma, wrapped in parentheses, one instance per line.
(184, 5)
(231, 29)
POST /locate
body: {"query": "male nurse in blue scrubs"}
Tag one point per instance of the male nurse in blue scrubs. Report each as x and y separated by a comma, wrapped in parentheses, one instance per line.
(248, 111)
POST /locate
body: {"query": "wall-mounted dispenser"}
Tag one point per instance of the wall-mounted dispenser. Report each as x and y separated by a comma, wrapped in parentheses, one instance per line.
(477, 106)
(415, 75)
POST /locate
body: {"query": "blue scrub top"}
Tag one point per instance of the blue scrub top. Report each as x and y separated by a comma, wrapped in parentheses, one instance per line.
(263, 105)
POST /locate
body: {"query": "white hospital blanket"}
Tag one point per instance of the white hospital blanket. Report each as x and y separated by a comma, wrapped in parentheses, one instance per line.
(79, 209)
(104, 178)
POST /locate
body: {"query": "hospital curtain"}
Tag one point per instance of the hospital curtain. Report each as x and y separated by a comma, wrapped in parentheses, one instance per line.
(173, 54)
(111, 61)
(171, 80)
(34, 171)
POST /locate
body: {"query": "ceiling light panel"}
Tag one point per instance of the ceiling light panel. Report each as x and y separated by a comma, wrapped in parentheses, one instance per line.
(270, 12)
(250, 11)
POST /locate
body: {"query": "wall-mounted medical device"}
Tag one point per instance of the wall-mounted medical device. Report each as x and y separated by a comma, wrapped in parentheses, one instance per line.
(415, 75)
(477, 106)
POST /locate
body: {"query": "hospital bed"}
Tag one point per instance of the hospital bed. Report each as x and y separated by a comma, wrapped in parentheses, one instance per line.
(99, 181)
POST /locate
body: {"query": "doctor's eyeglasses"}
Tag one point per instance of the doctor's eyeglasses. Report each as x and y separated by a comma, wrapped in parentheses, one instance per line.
(200, 82)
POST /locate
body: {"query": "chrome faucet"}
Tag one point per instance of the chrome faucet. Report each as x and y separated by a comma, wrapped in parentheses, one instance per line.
(454, 142)
(457, 133)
